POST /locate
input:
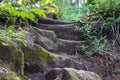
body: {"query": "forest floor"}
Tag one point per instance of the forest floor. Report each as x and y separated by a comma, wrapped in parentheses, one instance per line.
(102, 65)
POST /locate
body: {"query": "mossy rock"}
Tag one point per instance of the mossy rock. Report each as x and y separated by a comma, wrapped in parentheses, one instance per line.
(38, 59)
(62, 74)
(71, 74)
(14, 59)
(9, 76)
(38, 54)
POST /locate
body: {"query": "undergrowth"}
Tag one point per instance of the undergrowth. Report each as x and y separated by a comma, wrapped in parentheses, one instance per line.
(101, 26)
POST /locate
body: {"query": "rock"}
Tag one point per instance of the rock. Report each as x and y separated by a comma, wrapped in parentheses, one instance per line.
(70, 63)
(35, 60)
(40, 56)
(38, 61)
(14, 59)
(70, 46)
(71, 74)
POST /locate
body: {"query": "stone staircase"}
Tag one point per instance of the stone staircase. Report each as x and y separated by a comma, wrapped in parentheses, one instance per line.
(58, 43)
(59, 38)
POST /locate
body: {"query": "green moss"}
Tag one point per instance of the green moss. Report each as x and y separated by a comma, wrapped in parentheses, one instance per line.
(2, 64)
(45, 55)
(38, 54)
(17, 57)
(9, 76)
(73, 75)
(31, 55)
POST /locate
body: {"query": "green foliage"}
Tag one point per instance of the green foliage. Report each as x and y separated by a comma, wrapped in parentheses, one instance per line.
(26, 9)
(102, 21)
(8, 37)
(94, 43)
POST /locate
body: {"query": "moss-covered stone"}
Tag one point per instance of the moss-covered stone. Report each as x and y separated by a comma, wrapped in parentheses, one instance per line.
(9, 76)
(14, 59)
(71, 74)
(37, 54)
(17, 57)
(62, 74)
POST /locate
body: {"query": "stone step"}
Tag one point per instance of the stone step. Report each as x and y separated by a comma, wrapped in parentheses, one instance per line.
(36, 76)
(71, 74)
(55, 26)
(70, 46)
(65, 31)
(71, 41)
(68, 34)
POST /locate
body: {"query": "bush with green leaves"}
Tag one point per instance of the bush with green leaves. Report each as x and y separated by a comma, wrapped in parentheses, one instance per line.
(26, 9)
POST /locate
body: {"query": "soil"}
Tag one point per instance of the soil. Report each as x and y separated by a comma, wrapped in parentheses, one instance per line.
(102, 65)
